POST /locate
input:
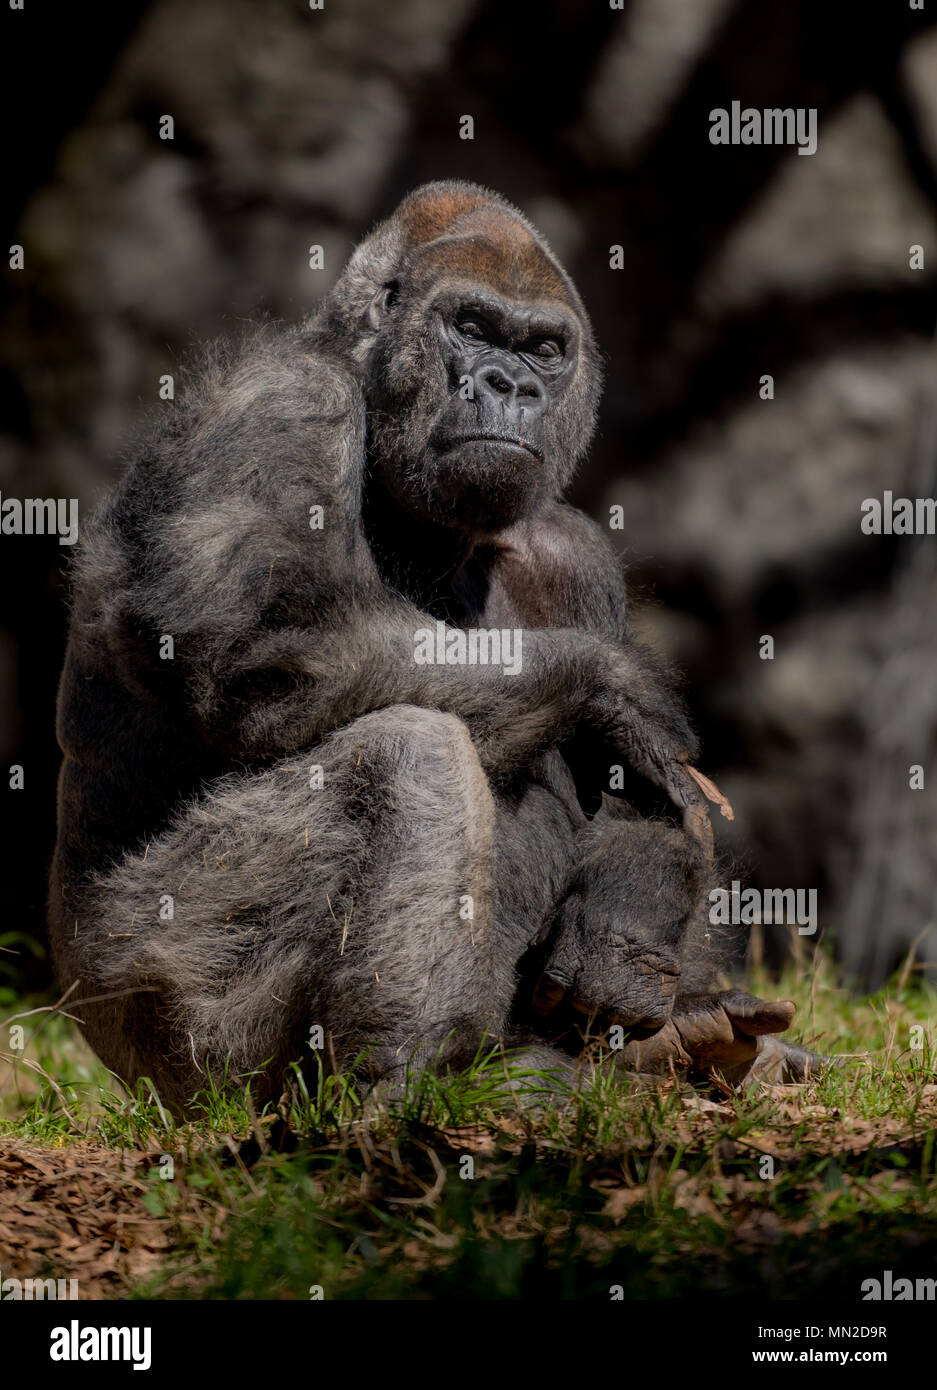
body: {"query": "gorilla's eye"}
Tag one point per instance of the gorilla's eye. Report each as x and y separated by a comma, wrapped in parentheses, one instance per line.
(473, 328)
(544, 347)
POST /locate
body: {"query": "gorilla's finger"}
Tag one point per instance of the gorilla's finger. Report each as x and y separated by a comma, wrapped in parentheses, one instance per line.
(673, 778)
(663, 1051)
(704, 1024)
(684, 785)
(753, 1017)
(682, 790)
(709, 789)
(548, 993)
(777, 1063)
(698, 826)
(800, 1064)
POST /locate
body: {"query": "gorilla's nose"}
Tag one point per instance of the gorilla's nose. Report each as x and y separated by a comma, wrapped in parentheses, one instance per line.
(513, 389)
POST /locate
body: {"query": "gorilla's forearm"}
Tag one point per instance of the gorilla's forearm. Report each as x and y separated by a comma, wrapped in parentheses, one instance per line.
(290, 687)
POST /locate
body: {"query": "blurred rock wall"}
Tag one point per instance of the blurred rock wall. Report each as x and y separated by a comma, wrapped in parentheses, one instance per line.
(294, 127)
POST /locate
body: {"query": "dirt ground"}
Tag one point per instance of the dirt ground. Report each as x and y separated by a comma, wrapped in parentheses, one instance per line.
(78, 1209)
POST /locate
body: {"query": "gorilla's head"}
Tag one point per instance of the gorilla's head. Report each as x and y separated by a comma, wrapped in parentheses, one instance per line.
(481, 374)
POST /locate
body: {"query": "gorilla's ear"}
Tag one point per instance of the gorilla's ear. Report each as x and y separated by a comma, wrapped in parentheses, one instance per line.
(382, 303)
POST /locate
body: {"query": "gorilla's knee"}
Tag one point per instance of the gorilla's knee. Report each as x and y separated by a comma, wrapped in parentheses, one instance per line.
(404, 740)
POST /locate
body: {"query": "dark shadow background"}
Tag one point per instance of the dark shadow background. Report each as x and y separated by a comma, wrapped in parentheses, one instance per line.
(295, 127)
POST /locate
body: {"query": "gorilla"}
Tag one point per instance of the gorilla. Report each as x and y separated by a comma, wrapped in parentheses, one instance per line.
(288, 822)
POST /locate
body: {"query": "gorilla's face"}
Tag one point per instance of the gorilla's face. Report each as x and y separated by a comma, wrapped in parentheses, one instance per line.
(617, 942)
(609, 970)
(479, 400)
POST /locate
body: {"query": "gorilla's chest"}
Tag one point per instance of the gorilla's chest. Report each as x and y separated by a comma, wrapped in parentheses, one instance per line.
(492, 589)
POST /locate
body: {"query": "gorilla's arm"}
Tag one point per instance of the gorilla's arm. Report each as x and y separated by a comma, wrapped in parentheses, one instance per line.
(283, 632)
(284, 689)
(558, 569)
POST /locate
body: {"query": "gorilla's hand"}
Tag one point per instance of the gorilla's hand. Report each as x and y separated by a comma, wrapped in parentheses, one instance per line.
(639, 714)
(730, 1033)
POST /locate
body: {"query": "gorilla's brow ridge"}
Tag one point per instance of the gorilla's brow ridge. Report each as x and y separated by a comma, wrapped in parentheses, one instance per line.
(505, 314)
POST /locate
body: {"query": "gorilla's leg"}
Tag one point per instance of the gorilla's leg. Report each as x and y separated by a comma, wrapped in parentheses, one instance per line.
(350, 888)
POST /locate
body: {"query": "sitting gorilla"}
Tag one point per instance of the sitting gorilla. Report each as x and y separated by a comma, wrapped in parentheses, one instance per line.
(275, 812)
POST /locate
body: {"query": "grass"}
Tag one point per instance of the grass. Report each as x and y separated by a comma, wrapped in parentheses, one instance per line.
(458, 1190)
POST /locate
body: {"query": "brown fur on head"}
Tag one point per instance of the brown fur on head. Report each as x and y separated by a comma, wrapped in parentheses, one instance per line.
(451, 245)
(453, 210)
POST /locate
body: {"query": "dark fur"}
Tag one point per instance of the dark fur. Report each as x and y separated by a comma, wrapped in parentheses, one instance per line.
(294, 648)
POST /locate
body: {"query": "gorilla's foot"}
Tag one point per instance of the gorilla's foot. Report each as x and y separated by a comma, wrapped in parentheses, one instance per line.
(731, 1033)
(777, 1063)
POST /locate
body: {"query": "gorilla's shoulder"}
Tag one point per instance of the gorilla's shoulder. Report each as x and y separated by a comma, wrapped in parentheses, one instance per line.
(264, 380)
(570, 534)
(293, 373)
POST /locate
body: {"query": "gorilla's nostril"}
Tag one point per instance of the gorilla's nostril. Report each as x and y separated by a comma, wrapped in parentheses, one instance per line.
(499, 383)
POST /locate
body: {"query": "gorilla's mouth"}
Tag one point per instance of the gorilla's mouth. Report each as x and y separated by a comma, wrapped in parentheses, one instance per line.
(485, 438)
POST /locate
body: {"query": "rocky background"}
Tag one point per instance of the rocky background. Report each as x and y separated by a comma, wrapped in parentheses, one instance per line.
(296, 126)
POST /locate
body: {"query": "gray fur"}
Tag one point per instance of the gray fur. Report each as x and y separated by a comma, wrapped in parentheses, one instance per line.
(443, 787)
